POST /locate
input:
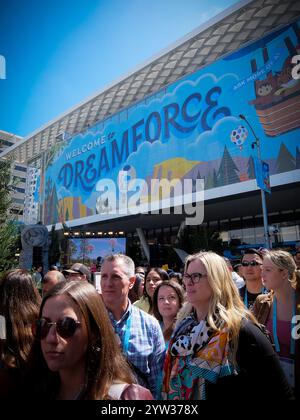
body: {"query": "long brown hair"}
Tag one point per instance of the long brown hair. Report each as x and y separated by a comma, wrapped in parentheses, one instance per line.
(104, 360)
(19, 304)
(181, 297)
(162, 274)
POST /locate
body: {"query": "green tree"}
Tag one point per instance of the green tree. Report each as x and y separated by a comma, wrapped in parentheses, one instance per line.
(205, 239)
(9, 232)
(54, 249)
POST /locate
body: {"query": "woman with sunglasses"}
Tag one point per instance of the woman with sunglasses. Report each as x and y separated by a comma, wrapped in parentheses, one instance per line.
(217, 350)
(19, 306)
(152, 278)
(76, 355)
(279, 309)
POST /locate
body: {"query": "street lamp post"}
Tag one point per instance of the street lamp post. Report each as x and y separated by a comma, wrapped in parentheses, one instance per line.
(262, 192)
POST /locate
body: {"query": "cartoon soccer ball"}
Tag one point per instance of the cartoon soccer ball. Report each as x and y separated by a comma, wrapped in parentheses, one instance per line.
(239, 135)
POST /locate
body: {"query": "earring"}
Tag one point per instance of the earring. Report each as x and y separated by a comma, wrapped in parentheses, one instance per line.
(95, 349)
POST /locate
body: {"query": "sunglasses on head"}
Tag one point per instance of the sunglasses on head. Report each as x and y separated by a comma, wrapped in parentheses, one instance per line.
(251, 263)
(65, 327)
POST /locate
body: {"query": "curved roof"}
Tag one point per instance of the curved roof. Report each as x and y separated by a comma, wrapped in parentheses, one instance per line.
(238, 25)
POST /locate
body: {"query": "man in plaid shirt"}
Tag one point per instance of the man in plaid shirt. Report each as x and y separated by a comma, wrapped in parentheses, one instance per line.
(139, 333)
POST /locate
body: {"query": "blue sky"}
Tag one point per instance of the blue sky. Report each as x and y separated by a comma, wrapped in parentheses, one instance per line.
(58, 53)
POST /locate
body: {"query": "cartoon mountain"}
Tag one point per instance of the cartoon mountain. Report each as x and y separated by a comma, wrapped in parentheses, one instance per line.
(285, 160)
(173, 168)
(70, 208)
(170, 169)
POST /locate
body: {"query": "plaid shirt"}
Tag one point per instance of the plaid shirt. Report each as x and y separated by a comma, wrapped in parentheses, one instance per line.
(146, 346)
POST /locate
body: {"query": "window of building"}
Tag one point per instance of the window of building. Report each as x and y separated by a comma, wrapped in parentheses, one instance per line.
(16, 211)
(20, 190)
(288, 232)
(224, 227)
(248, 236)
(18, 201)
(20, 168)
(259, 235)
(19, 179)
(235, 236)
(6, 143)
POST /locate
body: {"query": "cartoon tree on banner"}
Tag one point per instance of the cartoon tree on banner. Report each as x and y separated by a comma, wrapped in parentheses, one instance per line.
(227, 173)
(215, 179)
(54, 206)
(50, 203)
(47, 202)
(251, 170)
(194, 187)
(53, 152)
(211, 180)
(297, 158)
(285, 160)
(208, 181)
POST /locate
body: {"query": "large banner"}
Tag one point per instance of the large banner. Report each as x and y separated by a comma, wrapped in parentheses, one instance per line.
(191, 130)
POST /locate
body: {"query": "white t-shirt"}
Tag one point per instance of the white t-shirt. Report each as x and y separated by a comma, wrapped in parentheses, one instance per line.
(238, 280)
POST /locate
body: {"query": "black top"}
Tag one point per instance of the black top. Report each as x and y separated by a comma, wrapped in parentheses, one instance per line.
(260, 375)
(251, 297)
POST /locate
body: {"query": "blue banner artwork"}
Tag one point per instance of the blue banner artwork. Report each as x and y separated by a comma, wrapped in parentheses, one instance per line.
(189, 130)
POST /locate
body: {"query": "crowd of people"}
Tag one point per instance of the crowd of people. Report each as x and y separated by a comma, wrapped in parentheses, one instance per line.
(208, 332)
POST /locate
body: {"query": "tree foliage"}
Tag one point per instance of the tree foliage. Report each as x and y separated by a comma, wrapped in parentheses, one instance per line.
(204, 239)
(9, 231)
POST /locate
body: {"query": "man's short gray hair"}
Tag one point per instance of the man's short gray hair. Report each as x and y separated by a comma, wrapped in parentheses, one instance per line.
(127, 263)
(59, 276)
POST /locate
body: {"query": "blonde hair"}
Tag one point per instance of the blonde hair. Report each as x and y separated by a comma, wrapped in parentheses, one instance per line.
(284, 261)
(225, 303)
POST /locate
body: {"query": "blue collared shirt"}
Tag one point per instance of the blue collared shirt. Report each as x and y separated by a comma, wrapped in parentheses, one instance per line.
(145, 346)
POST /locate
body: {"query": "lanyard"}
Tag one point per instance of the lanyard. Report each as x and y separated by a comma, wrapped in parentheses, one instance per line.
(124, 344)
(127, 335)
(275, 337)
(263, 290)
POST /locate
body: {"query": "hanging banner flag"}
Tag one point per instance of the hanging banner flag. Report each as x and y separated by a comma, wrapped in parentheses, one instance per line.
(262, 174)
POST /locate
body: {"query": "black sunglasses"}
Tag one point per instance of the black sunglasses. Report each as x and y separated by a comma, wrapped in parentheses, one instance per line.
(65, 327)
(251, 263)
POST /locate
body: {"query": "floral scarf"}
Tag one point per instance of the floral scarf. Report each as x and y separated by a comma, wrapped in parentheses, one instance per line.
(196, 354)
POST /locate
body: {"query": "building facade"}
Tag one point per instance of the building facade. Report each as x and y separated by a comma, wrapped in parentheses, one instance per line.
(183, 133)
(19, 175)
